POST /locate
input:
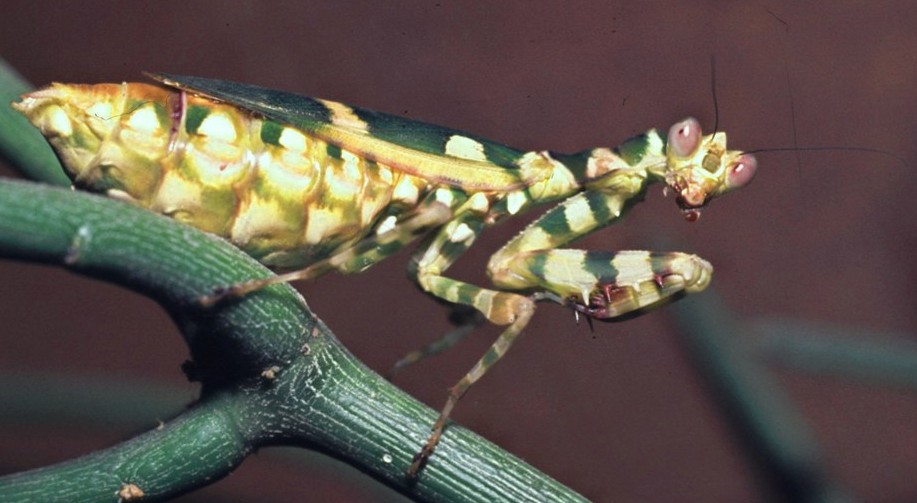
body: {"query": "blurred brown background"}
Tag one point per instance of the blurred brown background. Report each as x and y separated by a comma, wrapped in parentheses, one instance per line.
(616, 414)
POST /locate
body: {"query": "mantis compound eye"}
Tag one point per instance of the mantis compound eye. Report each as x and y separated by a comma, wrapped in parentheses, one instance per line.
(684, 137)
(742, 171)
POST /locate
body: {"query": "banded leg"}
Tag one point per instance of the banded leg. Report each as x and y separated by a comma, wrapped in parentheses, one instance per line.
(351, 260)
(503, 308)
(600, 284)
(500, 308)
(464, 318)
(607, 285)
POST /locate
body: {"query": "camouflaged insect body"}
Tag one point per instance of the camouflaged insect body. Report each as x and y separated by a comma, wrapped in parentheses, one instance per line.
(322, 186)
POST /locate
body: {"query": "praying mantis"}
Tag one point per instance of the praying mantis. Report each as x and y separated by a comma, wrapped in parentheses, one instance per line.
(313, 186)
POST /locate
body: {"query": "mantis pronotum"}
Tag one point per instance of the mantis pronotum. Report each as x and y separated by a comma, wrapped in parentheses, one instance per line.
(317, 186)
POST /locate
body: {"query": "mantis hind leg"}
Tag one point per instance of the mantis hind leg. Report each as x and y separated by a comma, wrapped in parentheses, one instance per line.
(507, 308)
(357, 258)
(500, 308)
(464, 318)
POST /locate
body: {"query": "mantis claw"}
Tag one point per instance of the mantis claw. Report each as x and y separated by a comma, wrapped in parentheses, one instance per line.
(418, 463)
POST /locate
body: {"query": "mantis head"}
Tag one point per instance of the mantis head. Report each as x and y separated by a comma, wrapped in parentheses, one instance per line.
(699, 168)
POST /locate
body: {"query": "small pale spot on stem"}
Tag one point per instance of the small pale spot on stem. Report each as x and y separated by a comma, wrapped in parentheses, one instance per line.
(130, 492)
(270, 373)
(78, 244)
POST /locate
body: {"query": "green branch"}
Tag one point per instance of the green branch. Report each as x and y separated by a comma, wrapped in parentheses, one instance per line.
(20, 143)
(186, 453)
(316, 393)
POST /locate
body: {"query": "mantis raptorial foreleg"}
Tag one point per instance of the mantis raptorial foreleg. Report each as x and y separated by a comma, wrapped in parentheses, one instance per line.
(600, 284)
